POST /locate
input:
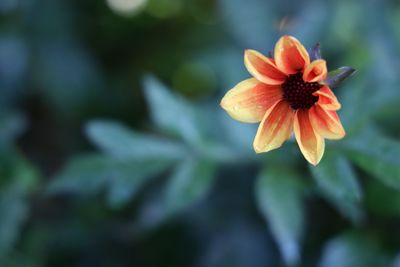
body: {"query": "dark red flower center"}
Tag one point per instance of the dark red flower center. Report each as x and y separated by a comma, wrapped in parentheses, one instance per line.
(298, 93)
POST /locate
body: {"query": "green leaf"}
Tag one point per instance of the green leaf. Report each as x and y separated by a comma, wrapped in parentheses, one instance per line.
(130, 177)
(13, 213)
(353, 249)
(218, 152)
(190, 181)
(25, 176)
(82, 175)
(90, 175)
(115, 139)
(18, 178)
(338, 183)
(278, 195)
(170, 112)
(15, 169)
(336, 77)
(377, 155)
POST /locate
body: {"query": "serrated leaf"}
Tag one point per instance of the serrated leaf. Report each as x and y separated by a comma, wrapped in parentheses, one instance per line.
(217, 152)
(129, 179)
(190, 181)
(170, 112)
(278, 195)
(353, 249)
(336, 77)
(82, 175)
(377, 155)
(338, 183)
(117, 140)
(121, 178)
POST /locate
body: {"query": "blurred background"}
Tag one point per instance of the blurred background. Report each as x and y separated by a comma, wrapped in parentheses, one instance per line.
(114, 151)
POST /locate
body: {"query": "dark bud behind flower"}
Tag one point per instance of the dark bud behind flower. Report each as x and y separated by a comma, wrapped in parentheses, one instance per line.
(336, 77)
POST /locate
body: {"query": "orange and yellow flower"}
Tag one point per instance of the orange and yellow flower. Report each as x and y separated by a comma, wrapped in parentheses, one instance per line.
(286, 94)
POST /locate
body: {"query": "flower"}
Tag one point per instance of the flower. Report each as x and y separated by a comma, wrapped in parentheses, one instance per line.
(287, 93)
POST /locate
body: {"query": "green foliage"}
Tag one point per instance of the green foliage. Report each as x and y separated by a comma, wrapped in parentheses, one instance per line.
(190, 181)
(278, 194)
(130, 159)
(383, 161)
(353, 249)
(14, 212)
(170, 112)
(103, 161)
(18, 178)
(122, 178)
(118, 141)
(337, 182)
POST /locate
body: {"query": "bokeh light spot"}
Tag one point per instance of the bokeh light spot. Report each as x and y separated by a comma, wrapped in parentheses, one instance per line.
(127, 7)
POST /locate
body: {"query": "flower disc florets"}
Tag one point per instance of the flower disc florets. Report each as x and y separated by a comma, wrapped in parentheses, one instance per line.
(298, 93)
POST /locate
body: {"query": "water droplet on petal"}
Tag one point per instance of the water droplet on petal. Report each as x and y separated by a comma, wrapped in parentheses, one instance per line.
(236, 108)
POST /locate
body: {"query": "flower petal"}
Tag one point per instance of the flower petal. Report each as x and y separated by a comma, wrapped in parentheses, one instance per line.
(263, 68)
(316, 71)
(326, 123)
(327, 99)
(275, 128)
(290, 55)
(311, 144)
(250, 99)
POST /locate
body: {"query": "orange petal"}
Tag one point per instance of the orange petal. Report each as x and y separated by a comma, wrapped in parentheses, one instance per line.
(290, 55)
(326, 123)
(327, 99)
(316, 71)
(275, 128)
(250, 99)
(263, 68)
(311, 144)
